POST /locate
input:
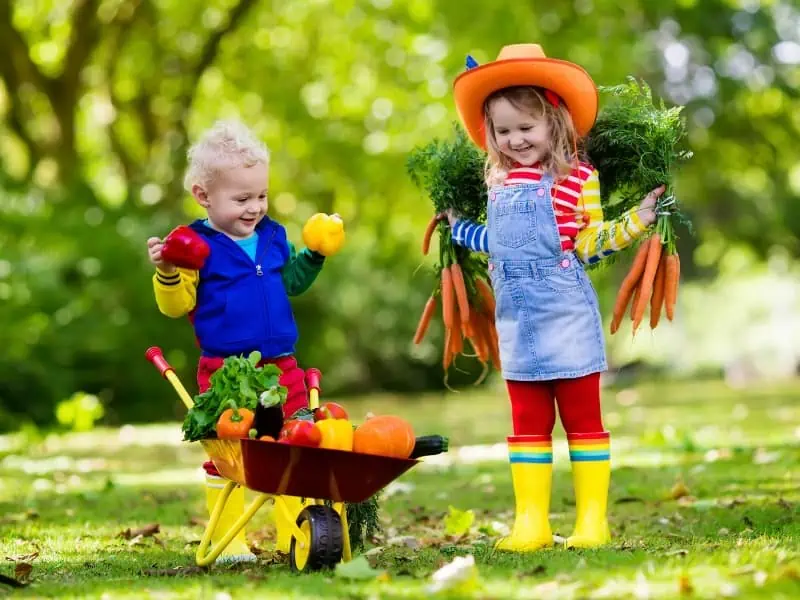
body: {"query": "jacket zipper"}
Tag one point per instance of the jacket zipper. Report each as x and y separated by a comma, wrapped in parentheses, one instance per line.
(259, 273)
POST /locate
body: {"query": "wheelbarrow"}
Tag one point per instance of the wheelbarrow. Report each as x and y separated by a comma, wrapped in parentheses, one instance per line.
(308, 486)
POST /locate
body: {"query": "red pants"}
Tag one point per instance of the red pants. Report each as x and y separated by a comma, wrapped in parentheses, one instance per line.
(533, 405)
(293, 378)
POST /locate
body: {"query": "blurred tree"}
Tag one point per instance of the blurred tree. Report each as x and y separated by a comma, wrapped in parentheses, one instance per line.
(100, 99)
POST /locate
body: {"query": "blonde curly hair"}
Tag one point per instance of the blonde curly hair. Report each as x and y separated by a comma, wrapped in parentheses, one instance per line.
(563, 153)
(226, 145)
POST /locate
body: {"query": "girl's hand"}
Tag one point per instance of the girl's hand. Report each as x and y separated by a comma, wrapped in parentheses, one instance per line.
(646, 209)
(450, 215)
(154, 247)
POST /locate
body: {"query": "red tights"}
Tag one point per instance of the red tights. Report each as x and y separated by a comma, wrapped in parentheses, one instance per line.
(533, 405)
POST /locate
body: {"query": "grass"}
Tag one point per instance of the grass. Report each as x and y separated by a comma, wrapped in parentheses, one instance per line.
(736, 533)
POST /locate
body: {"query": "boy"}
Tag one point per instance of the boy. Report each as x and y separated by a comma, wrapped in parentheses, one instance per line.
(239, 300)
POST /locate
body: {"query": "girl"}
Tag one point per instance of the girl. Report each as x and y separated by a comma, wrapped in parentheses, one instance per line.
(544, 216)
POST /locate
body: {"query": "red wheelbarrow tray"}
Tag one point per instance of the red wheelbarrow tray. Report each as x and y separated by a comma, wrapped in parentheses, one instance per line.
(307, 472)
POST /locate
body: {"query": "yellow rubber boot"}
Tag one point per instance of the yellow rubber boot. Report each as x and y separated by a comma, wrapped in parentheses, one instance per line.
(283, 525)
(531, 459)
(237, 550)
(591, 474)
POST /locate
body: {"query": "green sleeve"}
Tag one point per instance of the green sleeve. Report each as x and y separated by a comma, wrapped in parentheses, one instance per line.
(301, 270)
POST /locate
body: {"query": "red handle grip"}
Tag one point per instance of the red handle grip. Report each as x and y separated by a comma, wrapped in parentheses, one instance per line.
(155, 356)
(313, 378)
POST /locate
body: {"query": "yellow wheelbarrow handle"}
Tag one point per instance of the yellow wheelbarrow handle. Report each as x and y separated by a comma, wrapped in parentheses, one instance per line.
(156, 356)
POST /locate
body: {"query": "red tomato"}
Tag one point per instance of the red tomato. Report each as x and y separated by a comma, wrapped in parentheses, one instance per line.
(301, 433)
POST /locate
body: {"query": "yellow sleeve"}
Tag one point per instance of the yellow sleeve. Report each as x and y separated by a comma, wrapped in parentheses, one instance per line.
(176, 293)
(600, 238)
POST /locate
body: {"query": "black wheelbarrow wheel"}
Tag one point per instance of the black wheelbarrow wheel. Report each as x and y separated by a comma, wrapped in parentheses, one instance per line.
(322, 528)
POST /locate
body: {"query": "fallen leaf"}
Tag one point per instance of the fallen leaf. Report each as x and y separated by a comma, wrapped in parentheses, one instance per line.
(458, 522)
(136, 541)
(679, 490)
(409, 541)
(198, 521)
(159, 541)
(685, 586)
(24, 558)
(678, 552)
(743, 570)
(22, 571)
(145, 531)
(458, 576)
(789, 572)
(358, 568)
(759, 578)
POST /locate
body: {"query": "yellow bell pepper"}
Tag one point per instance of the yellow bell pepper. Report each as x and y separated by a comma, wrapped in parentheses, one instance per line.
(337, 434)
(324, 234)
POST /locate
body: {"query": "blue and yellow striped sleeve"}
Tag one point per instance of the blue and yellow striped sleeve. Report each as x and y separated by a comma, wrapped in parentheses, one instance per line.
(601, 238)
(471, 235)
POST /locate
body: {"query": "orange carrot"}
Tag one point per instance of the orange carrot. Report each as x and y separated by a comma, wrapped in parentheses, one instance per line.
(671, 280)
(426, 239)
(657, 301)
(477, 337)
(651, 266)
(636, 293)
(626, 289)
(447, 357)
(448, 301)
(461, 291)
(425, 319)
(487, 297)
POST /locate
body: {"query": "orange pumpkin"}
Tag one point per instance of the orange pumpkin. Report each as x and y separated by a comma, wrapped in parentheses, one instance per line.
(385, 435)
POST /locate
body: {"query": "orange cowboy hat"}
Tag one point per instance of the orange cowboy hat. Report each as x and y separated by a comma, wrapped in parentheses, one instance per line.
(518, 65)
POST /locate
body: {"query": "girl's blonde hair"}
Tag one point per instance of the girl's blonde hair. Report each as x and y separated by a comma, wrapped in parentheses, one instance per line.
(226, 145)
(563, 151)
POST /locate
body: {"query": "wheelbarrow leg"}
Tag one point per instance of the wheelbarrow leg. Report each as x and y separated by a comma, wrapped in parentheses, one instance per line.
(204, 559)
(285, 520)
(341, 508)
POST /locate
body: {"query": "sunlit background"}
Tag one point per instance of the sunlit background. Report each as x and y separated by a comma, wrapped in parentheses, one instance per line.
(100, 99)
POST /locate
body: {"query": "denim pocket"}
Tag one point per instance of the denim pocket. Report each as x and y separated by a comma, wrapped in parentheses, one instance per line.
(515, 223)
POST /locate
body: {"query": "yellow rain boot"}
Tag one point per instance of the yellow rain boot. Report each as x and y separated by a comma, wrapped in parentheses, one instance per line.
(531, 459)
(237, 550)
(591, 474)
(283, 524)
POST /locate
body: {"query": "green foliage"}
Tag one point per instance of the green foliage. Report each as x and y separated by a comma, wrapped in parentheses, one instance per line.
(238, 382)
(79, 412)
(451, 172)
(363, 521)
(635, 145)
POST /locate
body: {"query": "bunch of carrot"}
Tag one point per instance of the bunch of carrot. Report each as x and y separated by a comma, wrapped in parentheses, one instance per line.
(652, 279)
(467, 301)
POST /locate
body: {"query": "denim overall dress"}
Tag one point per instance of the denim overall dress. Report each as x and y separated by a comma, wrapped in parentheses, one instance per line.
(547, 316)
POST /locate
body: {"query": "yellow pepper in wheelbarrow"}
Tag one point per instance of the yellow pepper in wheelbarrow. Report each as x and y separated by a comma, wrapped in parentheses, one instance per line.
(324, 233)
(337, 434)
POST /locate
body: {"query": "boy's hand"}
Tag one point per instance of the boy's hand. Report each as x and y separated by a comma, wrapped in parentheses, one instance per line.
(154, 247)
(646, 209)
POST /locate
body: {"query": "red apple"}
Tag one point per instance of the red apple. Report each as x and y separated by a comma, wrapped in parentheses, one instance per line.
(330, 410)
(301, 433)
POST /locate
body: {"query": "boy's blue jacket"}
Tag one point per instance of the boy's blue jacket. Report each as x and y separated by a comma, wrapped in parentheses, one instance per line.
(244, 305)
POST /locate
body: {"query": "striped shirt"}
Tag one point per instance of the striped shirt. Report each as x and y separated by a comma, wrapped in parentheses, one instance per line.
(579, 216)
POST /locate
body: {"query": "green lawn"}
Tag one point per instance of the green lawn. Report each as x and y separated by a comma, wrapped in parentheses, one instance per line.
(736, 534)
